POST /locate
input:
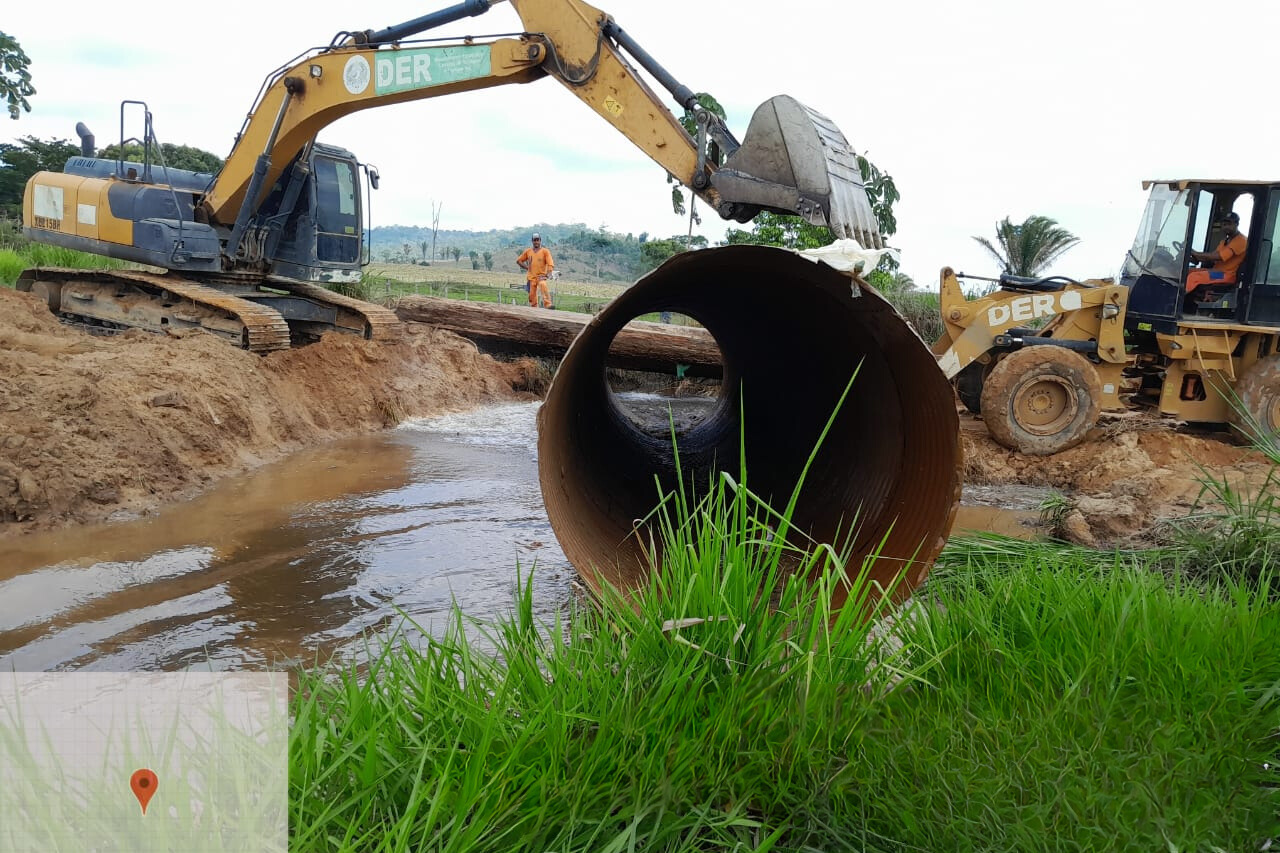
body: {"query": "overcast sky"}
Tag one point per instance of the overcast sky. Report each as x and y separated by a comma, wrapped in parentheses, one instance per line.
(978, 110)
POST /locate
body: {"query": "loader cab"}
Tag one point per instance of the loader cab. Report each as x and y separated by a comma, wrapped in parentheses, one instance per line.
(1189, 215)
(313, 217)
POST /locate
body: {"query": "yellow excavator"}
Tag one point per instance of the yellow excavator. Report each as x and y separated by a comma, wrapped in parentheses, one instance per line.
(1040, 358)
(245, 253)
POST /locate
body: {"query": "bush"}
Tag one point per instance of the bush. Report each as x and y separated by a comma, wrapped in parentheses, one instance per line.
(1234, 534)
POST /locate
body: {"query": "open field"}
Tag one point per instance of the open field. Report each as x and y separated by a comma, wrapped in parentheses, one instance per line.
(463, 276)
(387, 282)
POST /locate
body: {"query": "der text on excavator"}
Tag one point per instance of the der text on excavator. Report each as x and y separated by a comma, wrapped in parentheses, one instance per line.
(245, 252)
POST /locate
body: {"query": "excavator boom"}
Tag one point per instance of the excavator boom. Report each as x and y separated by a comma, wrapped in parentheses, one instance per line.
(793, 160)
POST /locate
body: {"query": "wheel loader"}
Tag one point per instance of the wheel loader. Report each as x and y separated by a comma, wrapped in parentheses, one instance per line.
(244, 254)
(1039, 358)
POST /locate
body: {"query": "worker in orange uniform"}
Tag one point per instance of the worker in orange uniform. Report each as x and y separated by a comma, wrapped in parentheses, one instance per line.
(1224, 260)
(537, 264)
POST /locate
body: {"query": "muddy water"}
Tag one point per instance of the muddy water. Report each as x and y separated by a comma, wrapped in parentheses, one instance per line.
(1008, 510)
(296, 560)
(300, 560)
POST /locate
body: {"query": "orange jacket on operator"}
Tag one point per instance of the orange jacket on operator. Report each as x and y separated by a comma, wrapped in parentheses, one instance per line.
(1231, 255)
(540, 262)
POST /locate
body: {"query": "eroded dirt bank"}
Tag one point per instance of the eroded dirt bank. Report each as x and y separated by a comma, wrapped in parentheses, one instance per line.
(92, 427)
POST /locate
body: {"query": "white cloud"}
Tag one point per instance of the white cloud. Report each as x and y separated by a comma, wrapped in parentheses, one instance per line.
(978, 110)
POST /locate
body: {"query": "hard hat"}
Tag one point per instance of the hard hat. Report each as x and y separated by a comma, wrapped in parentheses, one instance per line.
(537, 236)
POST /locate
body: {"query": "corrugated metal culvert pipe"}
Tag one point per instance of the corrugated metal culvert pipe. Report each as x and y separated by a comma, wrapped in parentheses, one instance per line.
(791, 332)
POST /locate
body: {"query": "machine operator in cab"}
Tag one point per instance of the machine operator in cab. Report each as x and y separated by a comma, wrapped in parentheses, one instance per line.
(1224, 261)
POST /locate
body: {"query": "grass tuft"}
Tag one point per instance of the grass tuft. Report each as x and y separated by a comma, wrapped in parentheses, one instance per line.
(1077, 703)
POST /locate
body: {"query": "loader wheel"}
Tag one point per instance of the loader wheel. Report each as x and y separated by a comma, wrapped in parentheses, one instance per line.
(1259, 393)
(1041, 400)
(969, 383)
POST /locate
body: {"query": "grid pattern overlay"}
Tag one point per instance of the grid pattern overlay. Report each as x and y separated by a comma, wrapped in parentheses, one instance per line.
(216, 742)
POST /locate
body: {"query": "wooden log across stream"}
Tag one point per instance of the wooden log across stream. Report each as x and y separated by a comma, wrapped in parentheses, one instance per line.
(517, 329)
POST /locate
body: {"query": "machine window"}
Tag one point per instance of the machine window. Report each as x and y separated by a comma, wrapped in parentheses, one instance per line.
(1204, 219)
(1158, 250)
(1268, 260)
(337, 213)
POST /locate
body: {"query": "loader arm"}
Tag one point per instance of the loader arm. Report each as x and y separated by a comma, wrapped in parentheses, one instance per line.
(1089, 313)
(793, 159)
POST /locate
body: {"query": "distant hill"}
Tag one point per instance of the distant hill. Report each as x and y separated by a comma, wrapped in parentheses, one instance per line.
(581, 253)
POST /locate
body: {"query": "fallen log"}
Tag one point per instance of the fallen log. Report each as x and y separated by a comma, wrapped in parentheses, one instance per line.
(519, 330)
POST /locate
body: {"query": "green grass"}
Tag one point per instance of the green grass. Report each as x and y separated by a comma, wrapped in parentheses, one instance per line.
(1039, 697)
(384, 288)
(14, 261)
(1079, 701)
(921, 309)
(11, 265)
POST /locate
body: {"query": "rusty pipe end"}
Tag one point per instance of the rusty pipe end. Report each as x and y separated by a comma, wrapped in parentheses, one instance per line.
(791, 333)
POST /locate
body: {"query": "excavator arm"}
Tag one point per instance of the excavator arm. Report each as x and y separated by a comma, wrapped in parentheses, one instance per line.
(792, 160)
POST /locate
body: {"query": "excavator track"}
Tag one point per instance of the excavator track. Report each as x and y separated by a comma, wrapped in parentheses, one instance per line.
(382, 323)
(132, 299)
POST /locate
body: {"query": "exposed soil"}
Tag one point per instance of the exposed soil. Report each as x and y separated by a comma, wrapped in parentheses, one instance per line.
(98, 427)
(1130, 474)
(101, 427)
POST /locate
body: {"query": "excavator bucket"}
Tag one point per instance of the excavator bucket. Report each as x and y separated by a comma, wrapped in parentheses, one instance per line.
(795, 160)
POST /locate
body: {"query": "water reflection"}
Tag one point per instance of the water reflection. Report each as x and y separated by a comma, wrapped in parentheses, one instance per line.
(302, 559)
(295, 561)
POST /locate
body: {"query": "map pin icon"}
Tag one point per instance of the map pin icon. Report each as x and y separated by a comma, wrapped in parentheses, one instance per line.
(143, 782)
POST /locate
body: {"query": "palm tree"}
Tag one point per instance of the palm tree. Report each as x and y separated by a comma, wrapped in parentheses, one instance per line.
(1028, 248)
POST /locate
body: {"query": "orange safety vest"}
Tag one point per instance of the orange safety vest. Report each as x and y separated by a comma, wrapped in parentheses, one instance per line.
(540, 262)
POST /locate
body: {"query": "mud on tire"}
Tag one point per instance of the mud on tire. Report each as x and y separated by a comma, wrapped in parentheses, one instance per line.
(1257, 418)
(1041, 400)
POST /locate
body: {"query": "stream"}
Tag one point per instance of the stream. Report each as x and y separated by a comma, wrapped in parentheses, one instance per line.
(304, 559)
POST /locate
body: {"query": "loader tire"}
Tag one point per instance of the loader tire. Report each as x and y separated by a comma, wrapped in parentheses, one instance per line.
(1257, 417)
(1041, 400)
(969, 384)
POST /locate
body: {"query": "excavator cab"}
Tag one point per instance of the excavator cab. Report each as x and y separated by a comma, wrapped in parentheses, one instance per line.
(1190, 215)
(310, 224)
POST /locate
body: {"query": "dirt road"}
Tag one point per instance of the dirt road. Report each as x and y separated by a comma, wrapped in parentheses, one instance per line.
(95, 427)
